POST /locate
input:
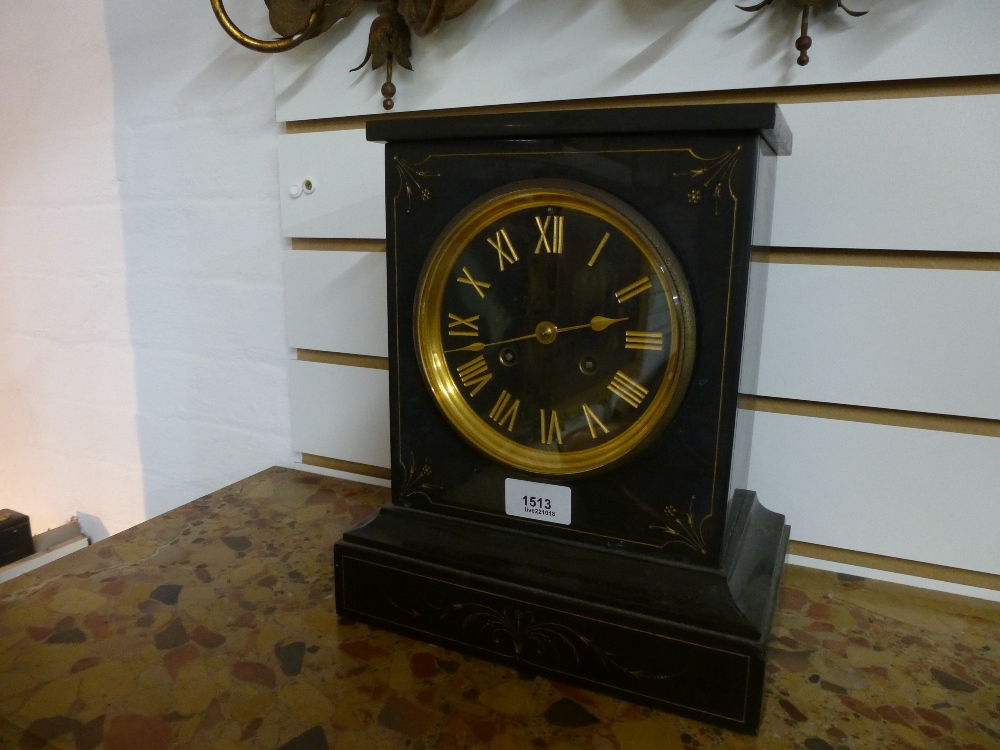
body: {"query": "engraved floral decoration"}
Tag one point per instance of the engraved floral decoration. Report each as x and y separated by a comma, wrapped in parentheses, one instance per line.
(518, 632)
(514, 629)
(684, 527)
(804, 42)
(715, 175)
(416, 476)
(295, 21)
(412, 180)
(680, 527)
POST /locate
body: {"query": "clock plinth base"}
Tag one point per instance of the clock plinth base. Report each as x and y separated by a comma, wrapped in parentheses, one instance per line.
(686, 639)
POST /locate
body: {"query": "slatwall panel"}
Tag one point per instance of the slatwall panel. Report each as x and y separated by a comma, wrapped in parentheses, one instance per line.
(347, 174)
(336, 302)
(913, 494)
(924, 340)
(511, 51)
(898, 174)
(879, 174)
(340, 412)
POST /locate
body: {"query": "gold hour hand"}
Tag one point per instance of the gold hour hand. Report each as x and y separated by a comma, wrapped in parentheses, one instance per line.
(599, 322)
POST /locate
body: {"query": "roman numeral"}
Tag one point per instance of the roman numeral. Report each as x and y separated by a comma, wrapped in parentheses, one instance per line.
(644, 340)
(627, 389)
(503, 255)
(477, 285)
(498, 415)
(553, 429)
(592, 420)
(457, 323)
(474, 374)
(637, 287)
(556, 243)
(604, 241)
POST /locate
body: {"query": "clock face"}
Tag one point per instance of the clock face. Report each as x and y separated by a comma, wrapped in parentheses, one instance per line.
(554, 328)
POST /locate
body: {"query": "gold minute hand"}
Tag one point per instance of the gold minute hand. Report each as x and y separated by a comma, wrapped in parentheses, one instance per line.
(479, 345)
(544, 332)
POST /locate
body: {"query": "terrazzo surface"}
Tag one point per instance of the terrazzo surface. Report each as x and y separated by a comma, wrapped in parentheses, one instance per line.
(213, 626)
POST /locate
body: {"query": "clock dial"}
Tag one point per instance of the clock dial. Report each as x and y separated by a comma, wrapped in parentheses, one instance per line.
(554, 328)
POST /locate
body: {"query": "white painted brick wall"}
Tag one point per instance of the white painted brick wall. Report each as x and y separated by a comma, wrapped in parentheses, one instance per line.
(142, 352)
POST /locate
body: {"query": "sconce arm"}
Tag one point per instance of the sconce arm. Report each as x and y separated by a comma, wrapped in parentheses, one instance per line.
(259, 45)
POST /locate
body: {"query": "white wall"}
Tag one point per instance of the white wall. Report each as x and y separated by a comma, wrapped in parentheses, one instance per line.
(142, 354)
(68, 436)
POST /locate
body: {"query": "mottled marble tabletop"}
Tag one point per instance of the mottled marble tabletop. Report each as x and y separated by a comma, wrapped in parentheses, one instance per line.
(213, 626)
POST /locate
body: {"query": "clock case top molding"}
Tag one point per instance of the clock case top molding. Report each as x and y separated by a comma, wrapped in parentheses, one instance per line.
(670, 536)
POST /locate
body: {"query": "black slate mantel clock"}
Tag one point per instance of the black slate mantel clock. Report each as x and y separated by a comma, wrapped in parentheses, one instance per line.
(572, 315)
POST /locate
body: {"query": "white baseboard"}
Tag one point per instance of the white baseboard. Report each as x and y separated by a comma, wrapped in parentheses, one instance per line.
(37, 560)
(341, 474)
(885, 575)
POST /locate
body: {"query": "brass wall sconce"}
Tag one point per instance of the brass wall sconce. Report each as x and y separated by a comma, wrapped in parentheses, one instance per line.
(295, 21)
(804, 42)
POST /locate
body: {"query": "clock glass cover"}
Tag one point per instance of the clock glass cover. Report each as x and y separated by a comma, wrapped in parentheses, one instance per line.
(554, 328)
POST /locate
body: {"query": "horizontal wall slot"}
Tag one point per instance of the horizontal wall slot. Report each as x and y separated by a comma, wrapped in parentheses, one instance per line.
(351, 467)
(794, 407)
(872, 415)
(337, 358)
(896, 565)
(929, 259)
(831, 92)
(354, 246)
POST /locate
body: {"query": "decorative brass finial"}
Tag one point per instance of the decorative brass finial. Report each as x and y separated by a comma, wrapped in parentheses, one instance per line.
(388, 38)
(804, 42)
(388, 88)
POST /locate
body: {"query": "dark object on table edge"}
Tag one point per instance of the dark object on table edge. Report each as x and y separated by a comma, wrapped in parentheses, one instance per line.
(15, 537)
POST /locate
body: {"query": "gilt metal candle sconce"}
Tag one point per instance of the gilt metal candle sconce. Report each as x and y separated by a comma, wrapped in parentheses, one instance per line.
(295, 21)
(388, 40)
(804, 42)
